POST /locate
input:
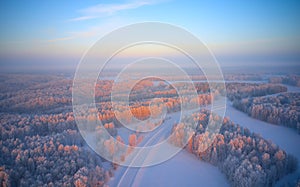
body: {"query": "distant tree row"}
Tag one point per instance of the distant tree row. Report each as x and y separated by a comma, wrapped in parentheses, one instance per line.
(53, 95)
(245, 158)
(243, 77)
(293, 80)
(42, 95)
(237, 91)
(231, 77)
(282, 109)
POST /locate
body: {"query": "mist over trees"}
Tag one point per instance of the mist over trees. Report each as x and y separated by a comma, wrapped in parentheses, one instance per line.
(243, 77)
(35, 94)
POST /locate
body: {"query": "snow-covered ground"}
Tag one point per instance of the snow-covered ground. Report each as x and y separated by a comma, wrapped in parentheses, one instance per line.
(184, 169)
(286, 138)
(292, 88)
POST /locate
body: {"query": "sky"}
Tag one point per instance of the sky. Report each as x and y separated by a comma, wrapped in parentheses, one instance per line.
(56, 33)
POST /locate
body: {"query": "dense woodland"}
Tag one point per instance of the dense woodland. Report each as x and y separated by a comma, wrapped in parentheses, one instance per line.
(39, 141)
(293, 80)
(237, 91)
(282, 109)
(267, 102)
(40, 144)
(245, 158)
(35, 94)
(47, 150)
(38, 130)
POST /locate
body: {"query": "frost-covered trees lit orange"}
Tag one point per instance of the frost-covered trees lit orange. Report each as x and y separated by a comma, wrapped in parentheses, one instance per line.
(38, 129)
(245, 158)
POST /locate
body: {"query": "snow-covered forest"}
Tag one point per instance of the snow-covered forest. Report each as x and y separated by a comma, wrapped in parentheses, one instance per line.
(40, 144)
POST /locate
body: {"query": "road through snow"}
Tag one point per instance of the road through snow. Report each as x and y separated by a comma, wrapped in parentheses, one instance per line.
(184, 169)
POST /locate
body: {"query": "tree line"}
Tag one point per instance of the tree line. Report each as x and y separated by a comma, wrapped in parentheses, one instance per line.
(245, 158)
(293, 80)
(237, 91)
(282, 109)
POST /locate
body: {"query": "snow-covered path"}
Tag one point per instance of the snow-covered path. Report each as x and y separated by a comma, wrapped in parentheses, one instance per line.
(184, 169)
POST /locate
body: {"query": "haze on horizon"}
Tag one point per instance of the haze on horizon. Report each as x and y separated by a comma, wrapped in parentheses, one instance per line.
(55, 34)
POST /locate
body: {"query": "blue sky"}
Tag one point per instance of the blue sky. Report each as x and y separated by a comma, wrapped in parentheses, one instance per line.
(243, 31)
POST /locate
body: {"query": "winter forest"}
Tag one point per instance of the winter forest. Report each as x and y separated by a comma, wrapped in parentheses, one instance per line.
(40, 144)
